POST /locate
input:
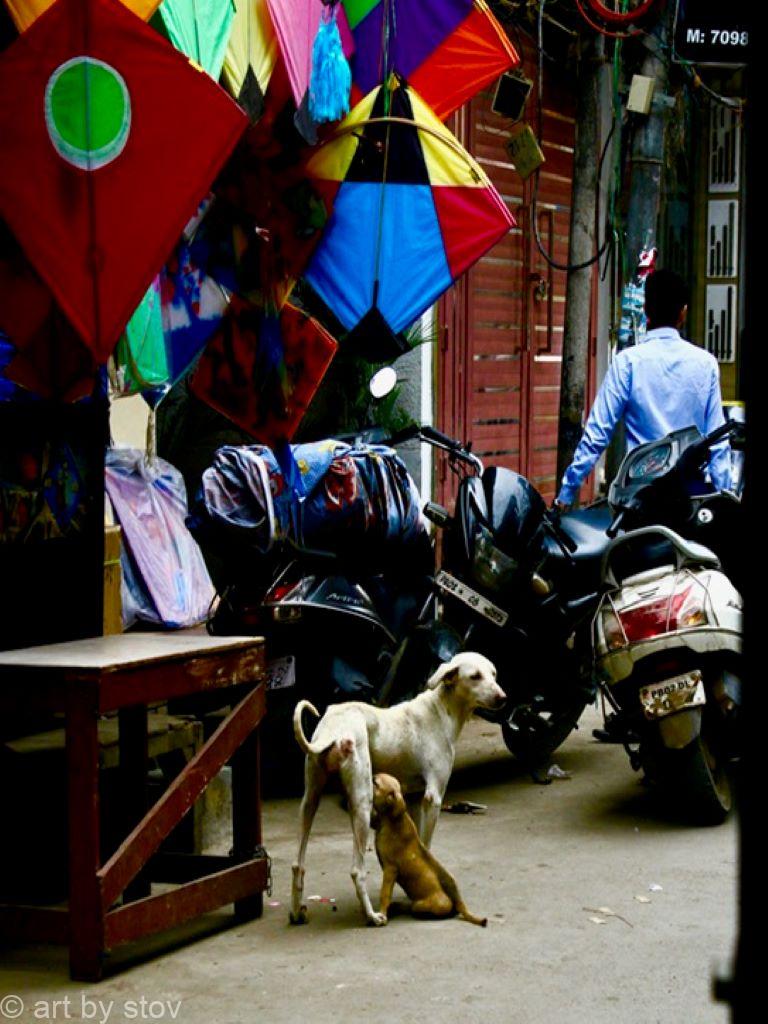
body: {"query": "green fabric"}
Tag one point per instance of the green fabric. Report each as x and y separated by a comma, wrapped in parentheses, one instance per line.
(140, 353)
(199, 28)
(356, 10)
(101, 95)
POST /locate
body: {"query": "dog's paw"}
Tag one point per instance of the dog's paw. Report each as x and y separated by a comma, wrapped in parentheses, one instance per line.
(300, 918)
(377, 920)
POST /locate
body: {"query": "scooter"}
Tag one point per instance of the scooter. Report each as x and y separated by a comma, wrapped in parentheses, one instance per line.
(667, 634)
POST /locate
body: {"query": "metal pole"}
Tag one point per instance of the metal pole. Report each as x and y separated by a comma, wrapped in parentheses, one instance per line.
(645, 182)
(581, 248)
(647, 159)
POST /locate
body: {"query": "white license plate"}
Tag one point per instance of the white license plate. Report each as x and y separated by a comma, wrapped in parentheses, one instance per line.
(281, 673)
(450, 585)
(671, 695)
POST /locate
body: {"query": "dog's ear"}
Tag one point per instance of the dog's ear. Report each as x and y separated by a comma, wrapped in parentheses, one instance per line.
(447, 674)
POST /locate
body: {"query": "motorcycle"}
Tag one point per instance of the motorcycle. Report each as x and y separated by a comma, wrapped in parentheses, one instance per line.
(667, 634)
(343, 625)
(339, 581)
(518, 583)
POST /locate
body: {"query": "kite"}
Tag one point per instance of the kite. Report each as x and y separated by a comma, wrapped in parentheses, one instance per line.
(199, 28)
(141, 360)
(124, 139)
(44, 354)
(264, 385)
(446, 50)
(296, 23)
(251, 55)
(412, 211)
(25, 12)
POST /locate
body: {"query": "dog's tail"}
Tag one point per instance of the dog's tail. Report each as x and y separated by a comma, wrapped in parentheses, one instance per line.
(465, 915)
(298, 732)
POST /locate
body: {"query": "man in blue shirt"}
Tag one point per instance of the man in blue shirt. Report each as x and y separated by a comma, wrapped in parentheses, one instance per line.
(662, 384)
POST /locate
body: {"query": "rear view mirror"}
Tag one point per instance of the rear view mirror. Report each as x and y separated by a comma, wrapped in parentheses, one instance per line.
(383, 382)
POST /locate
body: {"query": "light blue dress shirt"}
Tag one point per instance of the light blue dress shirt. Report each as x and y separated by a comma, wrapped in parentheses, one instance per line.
(662, 384)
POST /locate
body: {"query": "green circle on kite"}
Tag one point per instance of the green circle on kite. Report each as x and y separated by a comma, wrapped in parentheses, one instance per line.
(87, 112)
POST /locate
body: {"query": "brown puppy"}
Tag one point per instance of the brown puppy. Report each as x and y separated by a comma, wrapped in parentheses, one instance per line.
(406, 860)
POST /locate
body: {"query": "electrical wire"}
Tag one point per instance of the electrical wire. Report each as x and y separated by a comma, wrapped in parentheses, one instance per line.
(621, 17)
(605, 31)
(733, 103)
(568, 267)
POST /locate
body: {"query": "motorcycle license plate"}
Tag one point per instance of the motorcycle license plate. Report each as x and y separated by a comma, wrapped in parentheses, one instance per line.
(281, 673)
(450, 585)
(671, 695)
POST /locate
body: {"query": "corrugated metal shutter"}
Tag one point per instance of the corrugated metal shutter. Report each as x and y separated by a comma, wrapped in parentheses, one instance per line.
(499, 372)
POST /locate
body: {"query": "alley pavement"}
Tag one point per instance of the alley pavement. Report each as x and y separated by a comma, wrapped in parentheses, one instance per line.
(601, 908)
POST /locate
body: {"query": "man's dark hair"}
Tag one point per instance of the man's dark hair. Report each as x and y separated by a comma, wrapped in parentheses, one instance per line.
(665, 295)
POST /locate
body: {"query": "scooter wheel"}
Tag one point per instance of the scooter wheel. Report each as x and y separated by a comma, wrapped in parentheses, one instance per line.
(700, 780)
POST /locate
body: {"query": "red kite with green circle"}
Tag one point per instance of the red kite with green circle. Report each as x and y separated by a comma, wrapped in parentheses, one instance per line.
(110, 139)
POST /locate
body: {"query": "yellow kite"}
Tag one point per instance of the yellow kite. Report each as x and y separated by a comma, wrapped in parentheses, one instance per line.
(252, 47)
(24, 12)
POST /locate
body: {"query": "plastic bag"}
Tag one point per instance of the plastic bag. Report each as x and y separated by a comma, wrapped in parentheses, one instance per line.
(166, 577)
(348, 496)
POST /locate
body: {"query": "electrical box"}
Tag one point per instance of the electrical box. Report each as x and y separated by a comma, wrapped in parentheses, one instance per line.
(512, 91)
(641, 94)
(524, 151)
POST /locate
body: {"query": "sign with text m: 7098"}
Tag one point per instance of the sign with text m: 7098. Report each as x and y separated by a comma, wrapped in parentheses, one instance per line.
(713, 32)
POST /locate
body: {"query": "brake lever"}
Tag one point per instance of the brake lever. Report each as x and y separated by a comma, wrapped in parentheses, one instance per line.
(563, 541)
(613, 529)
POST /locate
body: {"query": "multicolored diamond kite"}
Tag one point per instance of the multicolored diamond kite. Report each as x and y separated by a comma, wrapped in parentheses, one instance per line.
(447, 50)
(412, 211)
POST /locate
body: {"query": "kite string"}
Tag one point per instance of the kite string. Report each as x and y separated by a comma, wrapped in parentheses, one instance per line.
(385, 27)
(380, 227)
(93, 253)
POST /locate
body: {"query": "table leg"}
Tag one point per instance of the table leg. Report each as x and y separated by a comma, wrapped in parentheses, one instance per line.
(134, 754)
(86, 918)
(246, 816)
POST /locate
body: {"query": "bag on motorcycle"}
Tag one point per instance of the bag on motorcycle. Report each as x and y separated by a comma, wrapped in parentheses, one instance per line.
(365, 494)
(344, 495)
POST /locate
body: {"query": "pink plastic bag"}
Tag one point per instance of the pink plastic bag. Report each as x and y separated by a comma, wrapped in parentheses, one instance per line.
(149, 499)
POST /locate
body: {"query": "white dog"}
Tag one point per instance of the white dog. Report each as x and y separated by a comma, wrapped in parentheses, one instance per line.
(415, 741)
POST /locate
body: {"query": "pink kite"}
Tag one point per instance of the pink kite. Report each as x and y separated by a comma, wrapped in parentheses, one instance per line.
(296, 23)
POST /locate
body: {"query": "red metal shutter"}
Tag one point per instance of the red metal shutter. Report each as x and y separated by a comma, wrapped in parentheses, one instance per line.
(499, 369)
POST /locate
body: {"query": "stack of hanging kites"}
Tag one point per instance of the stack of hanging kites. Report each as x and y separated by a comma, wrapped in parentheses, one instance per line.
(120, 255)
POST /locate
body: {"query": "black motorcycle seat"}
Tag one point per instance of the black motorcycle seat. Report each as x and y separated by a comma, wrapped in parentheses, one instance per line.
(587, 529)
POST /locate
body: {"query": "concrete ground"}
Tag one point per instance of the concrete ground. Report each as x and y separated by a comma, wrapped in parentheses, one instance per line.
(601, 909)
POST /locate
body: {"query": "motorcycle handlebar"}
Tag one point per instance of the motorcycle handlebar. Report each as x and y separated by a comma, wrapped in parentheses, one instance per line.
(698, 454)
(437, 438)
(432, 434)
(728, 428)
(400, 436)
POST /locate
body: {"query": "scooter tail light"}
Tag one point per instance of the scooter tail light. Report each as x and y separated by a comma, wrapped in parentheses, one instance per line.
(683, 609)
(693, 610)
(613, 634)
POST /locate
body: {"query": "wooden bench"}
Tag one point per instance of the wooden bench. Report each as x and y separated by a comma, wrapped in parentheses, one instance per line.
(112, 903)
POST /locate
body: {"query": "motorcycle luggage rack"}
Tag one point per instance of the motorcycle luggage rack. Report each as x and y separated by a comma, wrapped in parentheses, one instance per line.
(685, 552)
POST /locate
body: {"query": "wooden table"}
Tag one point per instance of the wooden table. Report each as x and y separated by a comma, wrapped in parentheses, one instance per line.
(111, 901)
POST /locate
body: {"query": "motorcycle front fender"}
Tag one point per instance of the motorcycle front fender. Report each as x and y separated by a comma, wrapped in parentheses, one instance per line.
(678, 730)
